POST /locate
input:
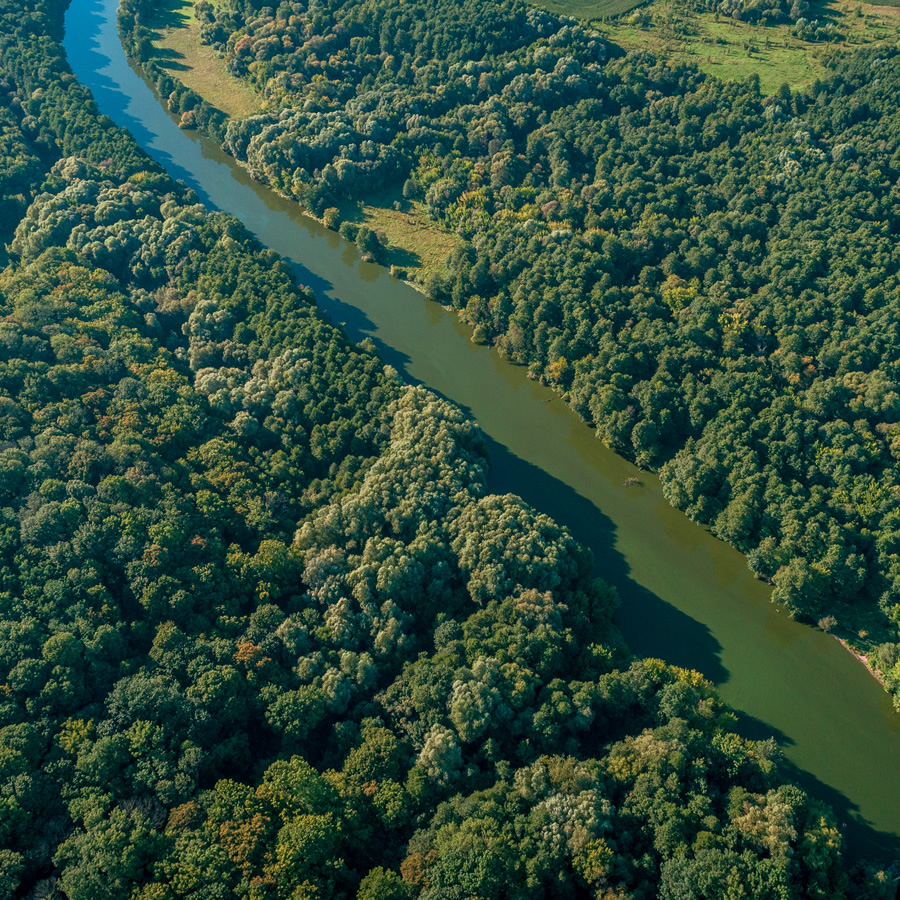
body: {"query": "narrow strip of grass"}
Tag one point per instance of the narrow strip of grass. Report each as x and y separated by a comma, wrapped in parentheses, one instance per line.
(196, 65)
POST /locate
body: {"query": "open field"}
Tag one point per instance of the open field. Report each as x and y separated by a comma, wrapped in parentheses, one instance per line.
(591, 9)
(196, 65)
(728, 49)
(731, 49)
(416, 245)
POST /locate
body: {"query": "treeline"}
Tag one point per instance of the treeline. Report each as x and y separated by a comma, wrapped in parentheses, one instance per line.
(708, 275)
(135, 19)
(263, 633)
(799, 14)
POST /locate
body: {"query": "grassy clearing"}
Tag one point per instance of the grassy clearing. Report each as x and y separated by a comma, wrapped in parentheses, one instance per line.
(196, 65)
(591, 9)
(736, 50)
(415, 244)
(729, 50)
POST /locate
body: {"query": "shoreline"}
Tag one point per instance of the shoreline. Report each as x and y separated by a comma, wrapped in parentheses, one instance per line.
(863, 659)
(306, 213)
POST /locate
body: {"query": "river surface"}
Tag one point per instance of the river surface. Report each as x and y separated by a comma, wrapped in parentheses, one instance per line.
(686, 596)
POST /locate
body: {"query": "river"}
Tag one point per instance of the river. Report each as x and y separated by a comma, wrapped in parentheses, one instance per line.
(686, 596)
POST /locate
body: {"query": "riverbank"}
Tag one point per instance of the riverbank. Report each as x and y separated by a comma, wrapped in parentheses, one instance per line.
(415, 245)
(686, 597)
(179, 50)
(863, 659)
(416, 248)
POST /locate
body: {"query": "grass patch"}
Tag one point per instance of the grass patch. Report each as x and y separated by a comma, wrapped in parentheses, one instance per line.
(591, 9)
(736, 50)
(731, 50)
(196, 65)
(415, 244)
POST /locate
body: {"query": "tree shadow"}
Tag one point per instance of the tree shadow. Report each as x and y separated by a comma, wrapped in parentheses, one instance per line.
(352, 320)
(654, 628)
(755, 729)
(861, 838)
(168, 60)
(647, 622)
(385, 198)
(824, 11)
(399, 256)
(88, 61)
(168, 14)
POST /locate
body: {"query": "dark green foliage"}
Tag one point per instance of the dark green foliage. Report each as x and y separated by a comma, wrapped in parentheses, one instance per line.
(20, 166)
(706, 274)
(262, 632)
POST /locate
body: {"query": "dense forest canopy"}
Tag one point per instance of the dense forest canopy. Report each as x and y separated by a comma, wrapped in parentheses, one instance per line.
(708, 275)
(263, 632)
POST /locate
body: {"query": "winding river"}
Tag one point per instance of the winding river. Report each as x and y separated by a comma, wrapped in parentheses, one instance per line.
(686, 596)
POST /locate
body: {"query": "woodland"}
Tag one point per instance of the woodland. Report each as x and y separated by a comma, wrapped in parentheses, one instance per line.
(263, 631)
(707, 274)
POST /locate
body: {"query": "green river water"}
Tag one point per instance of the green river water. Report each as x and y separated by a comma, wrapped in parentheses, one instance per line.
(686, 596)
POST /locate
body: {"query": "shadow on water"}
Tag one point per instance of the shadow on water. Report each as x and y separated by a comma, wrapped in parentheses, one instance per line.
(754, 729)
(357, 326)
(861, 838)
(86, 56)
(646, 621)
(114, 99)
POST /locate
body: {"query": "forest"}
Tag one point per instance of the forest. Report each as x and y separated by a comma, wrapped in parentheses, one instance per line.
(708, 275)
(263, 631)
